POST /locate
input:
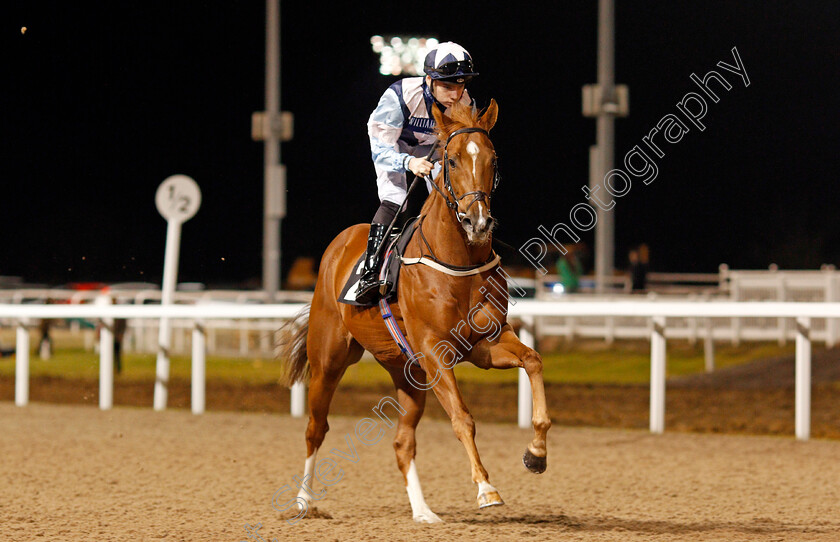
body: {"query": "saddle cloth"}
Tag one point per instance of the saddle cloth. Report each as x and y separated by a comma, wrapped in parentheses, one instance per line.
(389, 271)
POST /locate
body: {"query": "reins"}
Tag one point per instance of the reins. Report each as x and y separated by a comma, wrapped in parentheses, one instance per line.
(452, 203)
(431, 260)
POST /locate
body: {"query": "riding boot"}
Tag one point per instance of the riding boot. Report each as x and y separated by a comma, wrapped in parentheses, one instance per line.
(368, 291)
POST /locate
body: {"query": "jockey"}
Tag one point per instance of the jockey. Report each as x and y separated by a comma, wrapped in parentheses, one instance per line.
(401, 131)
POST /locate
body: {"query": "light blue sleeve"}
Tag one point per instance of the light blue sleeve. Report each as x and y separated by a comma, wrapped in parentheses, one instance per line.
(384, 128)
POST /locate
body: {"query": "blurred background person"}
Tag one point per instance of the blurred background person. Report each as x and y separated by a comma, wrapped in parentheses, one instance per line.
(639, 260)
(570, 268)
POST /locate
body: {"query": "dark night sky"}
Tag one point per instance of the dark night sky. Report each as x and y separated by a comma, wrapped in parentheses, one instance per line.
(101, 102)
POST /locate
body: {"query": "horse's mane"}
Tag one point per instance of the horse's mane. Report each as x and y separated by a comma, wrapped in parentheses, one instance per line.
(462, 116)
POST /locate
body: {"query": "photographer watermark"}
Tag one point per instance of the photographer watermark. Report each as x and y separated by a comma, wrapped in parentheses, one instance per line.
(479, 320)
(368, 430)
(298, 495)
(639, 163)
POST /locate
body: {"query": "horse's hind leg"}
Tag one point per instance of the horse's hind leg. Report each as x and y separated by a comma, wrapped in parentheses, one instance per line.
(412, 401)
(331, 350)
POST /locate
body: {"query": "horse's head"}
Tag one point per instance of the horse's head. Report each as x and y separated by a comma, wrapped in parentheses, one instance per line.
(469, 172)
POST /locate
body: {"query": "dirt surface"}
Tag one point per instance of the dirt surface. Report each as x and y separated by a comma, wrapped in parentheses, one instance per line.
(79, 474)
(73, 472)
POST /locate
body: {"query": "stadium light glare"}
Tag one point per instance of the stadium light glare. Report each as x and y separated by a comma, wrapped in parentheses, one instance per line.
(399, 55)
(377, 42)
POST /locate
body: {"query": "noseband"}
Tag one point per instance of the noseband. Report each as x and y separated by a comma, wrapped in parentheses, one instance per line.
(479, 195)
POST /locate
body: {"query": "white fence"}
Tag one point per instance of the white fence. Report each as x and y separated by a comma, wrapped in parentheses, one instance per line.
(738, 284)
(196, 315)
(669, 283)
(142, 333)
(733, 285)
(759, 285)
(140, 296)
(658, 312)
(730, 328)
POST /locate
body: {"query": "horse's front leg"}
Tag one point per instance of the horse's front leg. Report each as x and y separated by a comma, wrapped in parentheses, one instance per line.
(413, 400)
(446, 389)
(508, 352)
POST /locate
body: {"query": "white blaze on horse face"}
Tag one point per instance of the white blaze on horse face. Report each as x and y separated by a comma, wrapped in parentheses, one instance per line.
(473, 150)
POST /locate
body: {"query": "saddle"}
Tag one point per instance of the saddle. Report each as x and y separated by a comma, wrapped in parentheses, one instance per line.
(389, 272)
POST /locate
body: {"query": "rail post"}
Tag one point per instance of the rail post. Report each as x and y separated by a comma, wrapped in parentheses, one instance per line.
(610, 330)
(243, 338)
(830, 295)
(199, 365)
(692, 324)
(781, 295)
(524, 411)
(735, 295)
(298, 399)
(709, 346)
(803, 378)
(22, 363)
(106, 356)
(657, 375)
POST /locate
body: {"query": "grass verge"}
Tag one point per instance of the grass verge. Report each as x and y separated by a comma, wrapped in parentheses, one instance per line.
(581, 362)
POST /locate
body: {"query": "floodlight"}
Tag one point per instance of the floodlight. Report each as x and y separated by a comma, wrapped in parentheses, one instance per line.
(400, 55)
(377, 42)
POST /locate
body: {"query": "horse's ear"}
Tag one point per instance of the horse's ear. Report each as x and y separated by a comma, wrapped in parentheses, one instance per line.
(488, 118)
(444, 123)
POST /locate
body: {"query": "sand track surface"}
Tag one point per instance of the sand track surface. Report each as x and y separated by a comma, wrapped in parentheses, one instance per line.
(76, 473)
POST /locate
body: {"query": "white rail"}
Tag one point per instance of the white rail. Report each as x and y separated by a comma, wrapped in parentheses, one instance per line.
(733, 285)
(524, 309)
(659, 311)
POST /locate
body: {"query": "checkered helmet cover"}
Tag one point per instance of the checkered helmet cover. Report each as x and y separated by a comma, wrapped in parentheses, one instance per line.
(449, 62)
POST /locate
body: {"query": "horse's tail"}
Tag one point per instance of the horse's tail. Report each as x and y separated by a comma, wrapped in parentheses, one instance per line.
(292, 347)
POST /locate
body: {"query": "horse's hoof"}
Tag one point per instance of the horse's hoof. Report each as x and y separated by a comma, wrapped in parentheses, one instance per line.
(427, 517)
(490, 498)
(533, 463)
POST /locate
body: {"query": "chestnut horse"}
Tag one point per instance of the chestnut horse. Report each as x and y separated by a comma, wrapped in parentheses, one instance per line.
(433, 303)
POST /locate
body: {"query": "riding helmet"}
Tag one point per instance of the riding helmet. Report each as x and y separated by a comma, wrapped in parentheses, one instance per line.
(449, 62)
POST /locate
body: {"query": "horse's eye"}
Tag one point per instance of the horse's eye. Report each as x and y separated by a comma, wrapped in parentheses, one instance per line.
(451, 163)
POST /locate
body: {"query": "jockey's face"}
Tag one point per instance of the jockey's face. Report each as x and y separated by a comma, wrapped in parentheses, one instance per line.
(446, 92)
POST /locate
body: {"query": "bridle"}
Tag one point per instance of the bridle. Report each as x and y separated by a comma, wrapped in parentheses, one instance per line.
(479, 195)
(452, 201)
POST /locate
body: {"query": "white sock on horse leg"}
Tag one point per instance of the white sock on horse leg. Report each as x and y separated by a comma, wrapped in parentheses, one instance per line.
(308, 473)
(419, 509)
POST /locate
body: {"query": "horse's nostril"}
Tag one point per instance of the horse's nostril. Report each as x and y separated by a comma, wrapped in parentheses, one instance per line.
(490, 222)
(467, 221)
